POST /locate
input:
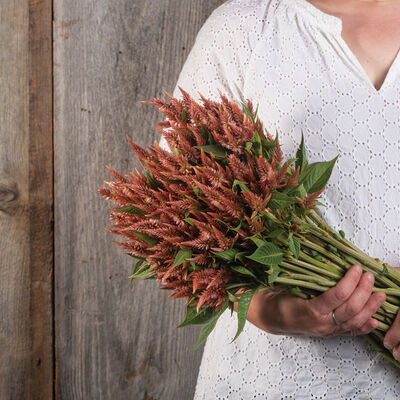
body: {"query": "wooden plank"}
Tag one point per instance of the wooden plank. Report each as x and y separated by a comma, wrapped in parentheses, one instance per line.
(112, 342)
(26, 362)
(14, 239)
(40, 206)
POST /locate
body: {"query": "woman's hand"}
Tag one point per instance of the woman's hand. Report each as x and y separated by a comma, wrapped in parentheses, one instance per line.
(352, 300)
(392, 337)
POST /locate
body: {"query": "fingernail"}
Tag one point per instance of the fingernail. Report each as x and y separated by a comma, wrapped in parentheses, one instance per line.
(358, 268)
(370, 277)
(389, 346)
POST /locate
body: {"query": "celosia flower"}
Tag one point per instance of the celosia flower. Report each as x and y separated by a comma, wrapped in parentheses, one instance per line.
(223, 214)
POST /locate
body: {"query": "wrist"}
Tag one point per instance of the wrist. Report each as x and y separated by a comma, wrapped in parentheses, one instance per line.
(291, 310)
(264, 311)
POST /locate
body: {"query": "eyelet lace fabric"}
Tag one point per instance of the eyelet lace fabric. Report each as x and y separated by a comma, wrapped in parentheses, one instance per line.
(288, 57)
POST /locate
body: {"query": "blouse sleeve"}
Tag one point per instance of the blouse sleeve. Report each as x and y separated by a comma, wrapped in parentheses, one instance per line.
(220, 54)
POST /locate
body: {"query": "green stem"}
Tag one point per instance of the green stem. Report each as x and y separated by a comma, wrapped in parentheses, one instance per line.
(328, 267)
(395, 292)
(379, 277)
(309, 278)
(319, 221)
(293, 267)
(308, 243)
(294, 282)
(316, 269)
(373, 263)
(376, 339)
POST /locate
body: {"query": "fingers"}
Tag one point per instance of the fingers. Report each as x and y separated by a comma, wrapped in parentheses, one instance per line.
(354, 305)
(336, 296)
(363, 321)
(368, 327)
(396, 352)
(356, 302)
(392, 337)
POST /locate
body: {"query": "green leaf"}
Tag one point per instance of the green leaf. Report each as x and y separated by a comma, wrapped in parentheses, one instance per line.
(305, 226)
(267, 254)
(256, 139)
(216, 149)
(227, 255)
(248, 146)
(319, 175)
(146, 238)
(281, 201)
(299, 191)
(138, 264)
(243, 270)
(136, 267)
(294, 245)
(231, 297)
(257, 241)
(210, 325)
(195, 189)
(290, 161)
(342, 234)
(239, 256)
(385, 270)
(304, 174)
(144, 271)
(181, 256)
(255, 113)
(152, 182)
(295, 290)
(151, 275)
(189, 221)
(242, 309)
(241, 184)
(277, 234)
(273, 273)
(270, 216)
(238, 227)
(301, 158)
(130, 210)
(193, 317)
(247, 111)
(194, 267)
(184, 115)
(270, 145)
(204, 132)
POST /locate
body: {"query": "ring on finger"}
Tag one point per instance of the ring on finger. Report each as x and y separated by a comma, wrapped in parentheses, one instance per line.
(334, 319)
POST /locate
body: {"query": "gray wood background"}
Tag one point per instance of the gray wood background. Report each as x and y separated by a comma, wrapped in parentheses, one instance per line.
(26, 201)
(72, 75)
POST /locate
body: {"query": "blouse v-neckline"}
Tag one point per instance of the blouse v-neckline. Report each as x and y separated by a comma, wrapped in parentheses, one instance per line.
(333, 24)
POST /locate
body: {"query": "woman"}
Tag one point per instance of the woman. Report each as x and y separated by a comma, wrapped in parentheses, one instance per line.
(329, 69)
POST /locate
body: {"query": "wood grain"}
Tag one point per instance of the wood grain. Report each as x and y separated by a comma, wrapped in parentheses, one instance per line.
(26, 362)
(40, 205)
(113, 342)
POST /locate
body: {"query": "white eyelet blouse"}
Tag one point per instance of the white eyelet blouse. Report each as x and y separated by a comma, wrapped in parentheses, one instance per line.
(289, 57)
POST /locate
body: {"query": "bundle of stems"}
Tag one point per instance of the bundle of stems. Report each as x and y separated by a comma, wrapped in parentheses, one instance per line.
(322, 258)
(223, 216)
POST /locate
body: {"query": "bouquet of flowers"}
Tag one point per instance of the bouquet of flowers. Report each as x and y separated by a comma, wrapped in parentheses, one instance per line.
(223, 215)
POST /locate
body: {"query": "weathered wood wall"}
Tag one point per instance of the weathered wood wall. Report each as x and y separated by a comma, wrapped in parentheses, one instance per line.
(112, 342)
(72, 75)
(26, 200)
